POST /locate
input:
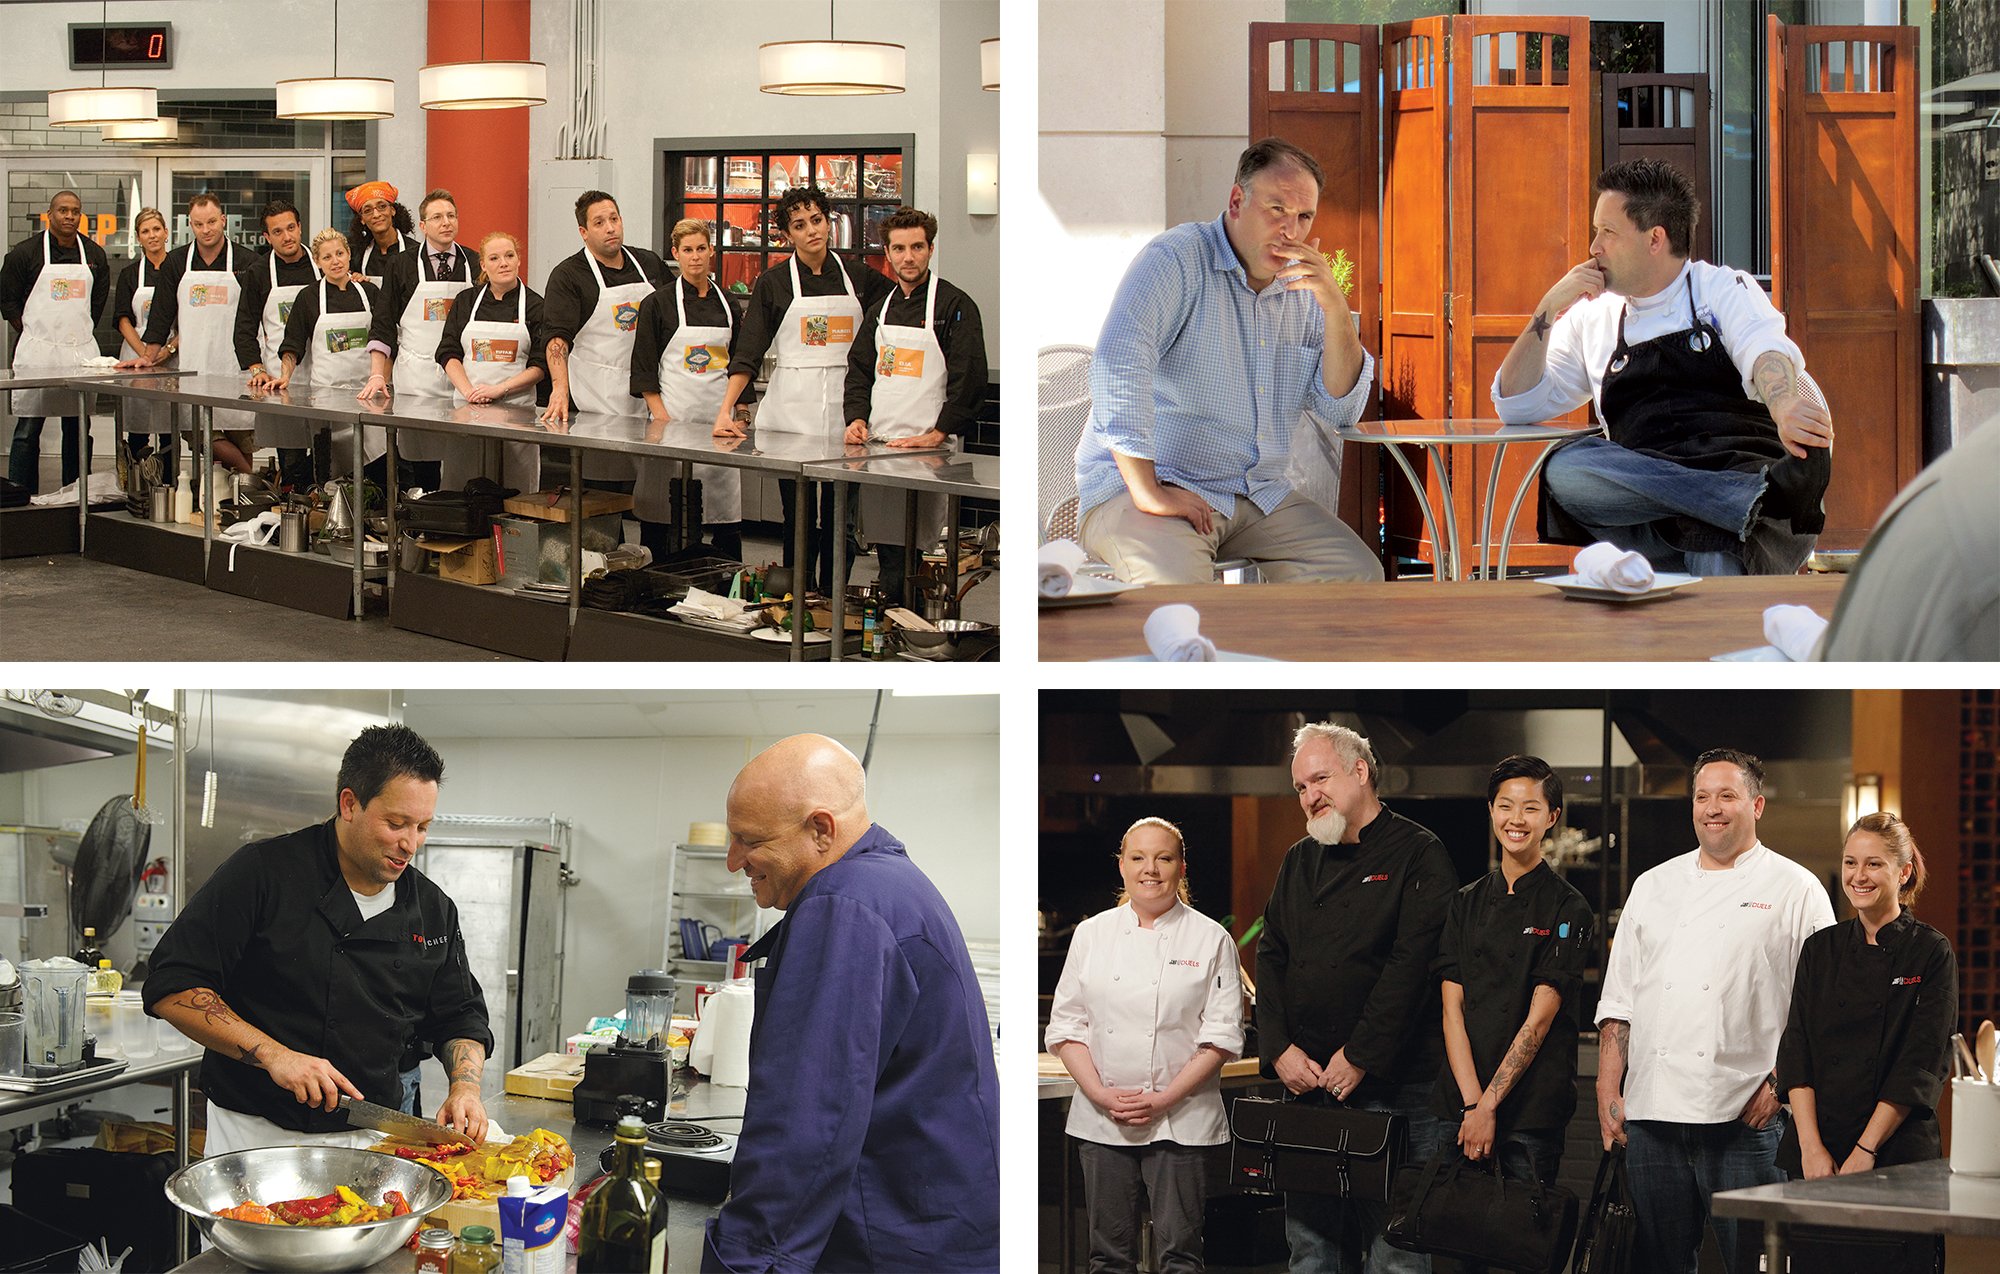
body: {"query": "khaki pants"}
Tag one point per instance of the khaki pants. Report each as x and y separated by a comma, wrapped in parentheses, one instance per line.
(1297, 541)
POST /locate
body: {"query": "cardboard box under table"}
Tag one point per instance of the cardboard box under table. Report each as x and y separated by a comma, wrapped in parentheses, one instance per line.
(466, 560)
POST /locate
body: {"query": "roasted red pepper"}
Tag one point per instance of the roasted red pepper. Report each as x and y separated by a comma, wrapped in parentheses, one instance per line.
(300, 1211)
(398, 1205)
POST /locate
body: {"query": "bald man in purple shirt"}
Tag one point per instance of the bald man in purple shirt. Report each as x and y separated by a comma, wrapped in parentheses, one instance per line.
(871, 1130)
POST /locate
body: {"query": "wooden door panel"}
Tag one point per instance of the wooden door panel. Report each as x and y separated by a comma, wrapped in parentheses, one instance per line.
(1663, 117)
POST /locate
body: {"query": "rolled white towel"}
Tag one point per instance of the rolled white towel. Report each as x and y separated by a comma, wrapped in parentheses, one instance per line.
(1057, 565)
(1173, 634)
(1608, 566)
(1796, 630)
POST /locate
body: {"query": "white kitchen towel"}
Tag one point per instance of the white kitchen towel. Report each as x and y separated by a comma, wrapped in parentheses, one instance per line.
(1057, 565)
(1173, 634)
(1796, 630)
(1608, 566)
(725, 1018)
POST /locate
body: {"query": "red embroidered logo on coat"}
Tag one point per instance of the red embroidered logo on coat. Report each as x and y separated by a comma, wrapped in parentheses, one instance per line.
(1369, 880)
(417, 938)
(1539, 933)
(1761, 906)
(1905, 981)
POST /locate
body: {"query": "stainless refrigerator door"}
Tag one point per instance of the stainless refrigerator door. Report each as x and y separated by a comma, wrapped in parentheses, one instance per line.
(536, 976)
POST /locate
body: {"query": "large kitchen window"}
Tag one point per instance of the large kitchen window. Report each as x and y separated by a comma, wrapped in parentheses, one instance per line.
(736, 187)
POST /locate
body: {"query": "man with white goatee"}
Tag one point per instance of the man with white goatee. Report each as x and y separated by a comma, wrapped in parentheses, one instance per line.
(1347, 1009)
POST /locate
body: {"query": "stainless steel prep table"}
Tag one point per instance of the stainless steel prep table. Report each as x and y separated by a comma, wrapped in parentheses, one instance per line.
(953, 476)
(686, 1218)
(205, 393)
(786, 455)
(87, 383)
(1915, 1198)
(19, 1108)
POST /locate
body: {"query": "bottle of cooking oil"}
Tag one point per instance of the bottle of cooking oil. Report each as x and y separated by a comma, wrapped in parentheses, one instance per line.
(624, 1224)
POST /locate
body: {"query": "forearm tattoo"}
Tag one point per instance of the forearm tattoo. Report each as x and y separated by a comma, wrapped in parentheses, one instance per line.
(1519, 1054)
(557, 354)
(1773, 376)
(465, 1060)
(1540, 327)
(214, 1013)
(1611, 1043)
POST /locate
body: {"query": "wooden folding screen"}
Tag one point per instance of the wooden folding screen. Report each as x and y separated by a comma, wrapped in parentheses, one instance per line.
(1663, 117)
(1313, 84)
(1843, 137)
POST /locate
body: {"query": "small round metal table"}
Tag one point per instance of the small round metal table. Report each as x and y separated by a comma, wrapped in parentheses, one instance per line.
(1435, 435)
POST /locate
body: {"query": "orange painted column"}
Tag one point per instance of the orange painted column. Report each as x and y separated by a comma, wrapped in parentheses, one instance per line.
(481, 157)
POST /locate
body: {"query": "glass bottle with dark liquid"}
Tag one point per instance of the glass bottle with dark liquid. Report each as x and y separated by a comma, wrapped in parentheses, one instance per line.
(623, 1229)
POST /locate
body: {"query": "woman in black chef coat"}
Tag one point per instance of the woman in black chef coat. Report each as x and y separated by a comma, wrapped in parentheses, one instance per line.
(1865, 1051)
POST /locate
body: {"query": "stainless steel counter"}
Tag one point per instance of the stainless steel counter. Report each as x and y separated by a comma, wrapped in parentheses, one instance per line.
(1918, 1198)
(686, 1217)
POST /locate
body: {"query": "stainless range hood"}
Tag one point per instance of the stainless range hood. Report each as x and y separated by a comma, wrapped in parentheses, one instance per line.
(40, 729)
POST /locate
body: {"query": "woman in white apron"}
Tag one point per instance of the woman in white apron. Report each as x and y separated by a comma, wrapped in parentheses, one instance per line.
(490, 357)
(694, 377)
(286, 433)
(338, 342)
(143, 417)
(416, 373)
(57, 330)
(600, 364)
(906, 401)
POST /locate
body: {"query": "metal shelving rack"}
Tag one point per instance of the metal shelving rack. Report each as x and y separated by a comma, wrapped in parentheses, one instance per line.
(707, 903)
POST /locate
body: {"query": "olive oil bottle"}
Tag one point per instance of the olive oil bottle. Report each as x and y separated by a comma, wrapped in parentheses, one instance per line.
(624, 1225)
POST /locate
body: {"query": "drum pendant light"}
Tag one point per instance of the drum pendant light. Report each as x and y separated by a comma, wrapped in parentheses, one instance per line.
(989, 64)
(335, 96)
(163, 129)
(94, 107)
(482, 85)
(830, 67)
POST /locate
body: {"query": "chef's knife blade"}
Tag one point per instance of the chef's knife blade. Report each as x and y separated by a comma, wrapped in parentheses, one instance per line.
(366, 1114)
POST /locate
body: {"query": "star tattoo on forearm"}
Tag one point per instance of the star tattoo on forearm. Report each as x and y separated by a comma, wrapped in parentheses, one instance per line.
(1540, 327)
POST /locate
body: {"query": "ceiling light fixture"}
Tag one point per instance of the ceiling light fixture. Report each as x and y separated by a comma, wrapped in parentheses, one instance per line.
(989, 64)
(163, 128)
(96, 107)
(335, 96)
(482, 85)
(830, 67)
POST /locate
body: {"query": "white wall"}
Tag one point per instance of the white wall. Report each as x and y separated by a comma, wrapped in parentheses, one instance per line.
(630, 798)
(224, 46)
(665, 83)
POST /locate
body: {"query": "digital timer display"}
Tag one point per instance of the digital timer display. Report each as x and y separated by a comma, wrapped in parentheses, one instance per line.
(94, 46)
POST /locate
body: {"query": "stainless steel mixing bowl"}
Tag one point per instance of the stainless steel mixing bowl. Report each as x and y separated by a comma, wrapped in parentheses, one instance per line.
(299, 1172)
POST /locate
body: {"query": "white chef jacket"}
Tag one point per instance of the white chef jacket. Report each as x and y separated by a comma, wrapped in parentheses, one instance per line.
(1701, 966)
(1144, 1000)
(1582, 341)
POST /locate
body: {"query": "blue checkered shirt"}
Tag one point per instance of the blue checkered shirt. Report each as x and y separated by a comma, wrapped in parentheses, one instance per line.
(1205, 378)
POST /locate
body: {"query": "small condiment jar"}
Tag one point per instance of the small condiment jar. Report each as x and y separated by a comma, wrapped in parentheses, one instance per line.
(434, 1251)
(476, 1252)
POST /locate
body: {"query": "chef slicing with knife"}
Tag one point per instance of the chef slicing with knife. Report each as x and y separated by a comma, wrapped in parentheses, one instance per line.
(307, 962)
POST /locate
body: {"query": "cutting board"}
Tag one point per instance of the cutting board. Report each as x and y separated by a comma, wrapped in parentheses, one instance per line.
(460, 1213)
(537, 505)
(552, 1075)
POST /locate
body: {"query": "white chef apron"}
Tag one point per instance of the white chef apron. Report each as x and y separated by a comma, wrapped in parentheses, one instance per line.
(416, 370)
(907, 400)
(143, 416)
(282, 431)
(56, 330)
(207, 326)
(600, 364)
(496, 351)
(340, 361)
(694, 379)
(805, 391)
(230, 1130)
(374, 263)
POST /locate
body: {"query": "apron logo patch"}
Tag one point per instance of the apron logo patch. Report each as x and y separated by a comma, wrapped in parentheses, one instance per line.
(900, 362)
(625, 315)
(208, 294)
(1905, 981)
(826, 329)
(435, 308)
(66, 289)
(702, 358)
(1369, 880)
(495, 351)
(339, 340)
(284, 310)
(1760, 906)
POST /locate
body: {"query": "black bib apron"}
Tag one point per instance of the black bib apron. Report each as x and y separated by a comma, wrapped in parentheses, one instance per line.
(1679, 397)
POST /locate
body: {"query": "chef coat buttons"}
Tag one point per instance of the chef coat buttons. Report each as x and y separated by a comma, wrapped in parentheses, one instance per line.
(1704, 986)
(1700, 1053)
(1670, 986)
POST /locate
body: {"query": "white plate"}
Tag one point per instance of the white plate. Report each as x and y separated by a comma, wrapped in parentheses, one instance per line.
(1088, 590)
(813, 638)
(1221, 657)
(1664, 583)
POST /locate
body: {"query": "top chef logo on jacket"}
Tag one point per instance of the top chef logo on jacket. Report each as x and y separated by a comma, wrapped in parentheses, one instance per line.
(1186, 964)
(422, 941)
(1369, 880)
(1761, 906)
(626, 315)
(1539, 933)
(1910, 981)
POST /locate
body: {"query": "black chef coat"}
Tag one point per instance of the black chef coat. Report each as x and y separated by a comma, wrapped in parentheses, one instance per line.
(1345, 958)
(180, 262)
(1499, 947)
(571, 293)
(958, 334)
(1868, 1024)
(127, 288)
(399, 284)
(771, 296)
(276, 933)
(24, 265)
(659, 320)
(451, 342)
(365, 257)
(256, 283)
(305, 312)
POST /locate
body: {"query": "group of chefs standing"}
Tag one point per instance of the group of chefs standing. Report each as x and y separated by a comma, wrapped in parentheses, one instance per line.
(1384, 985)
(400, 304)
